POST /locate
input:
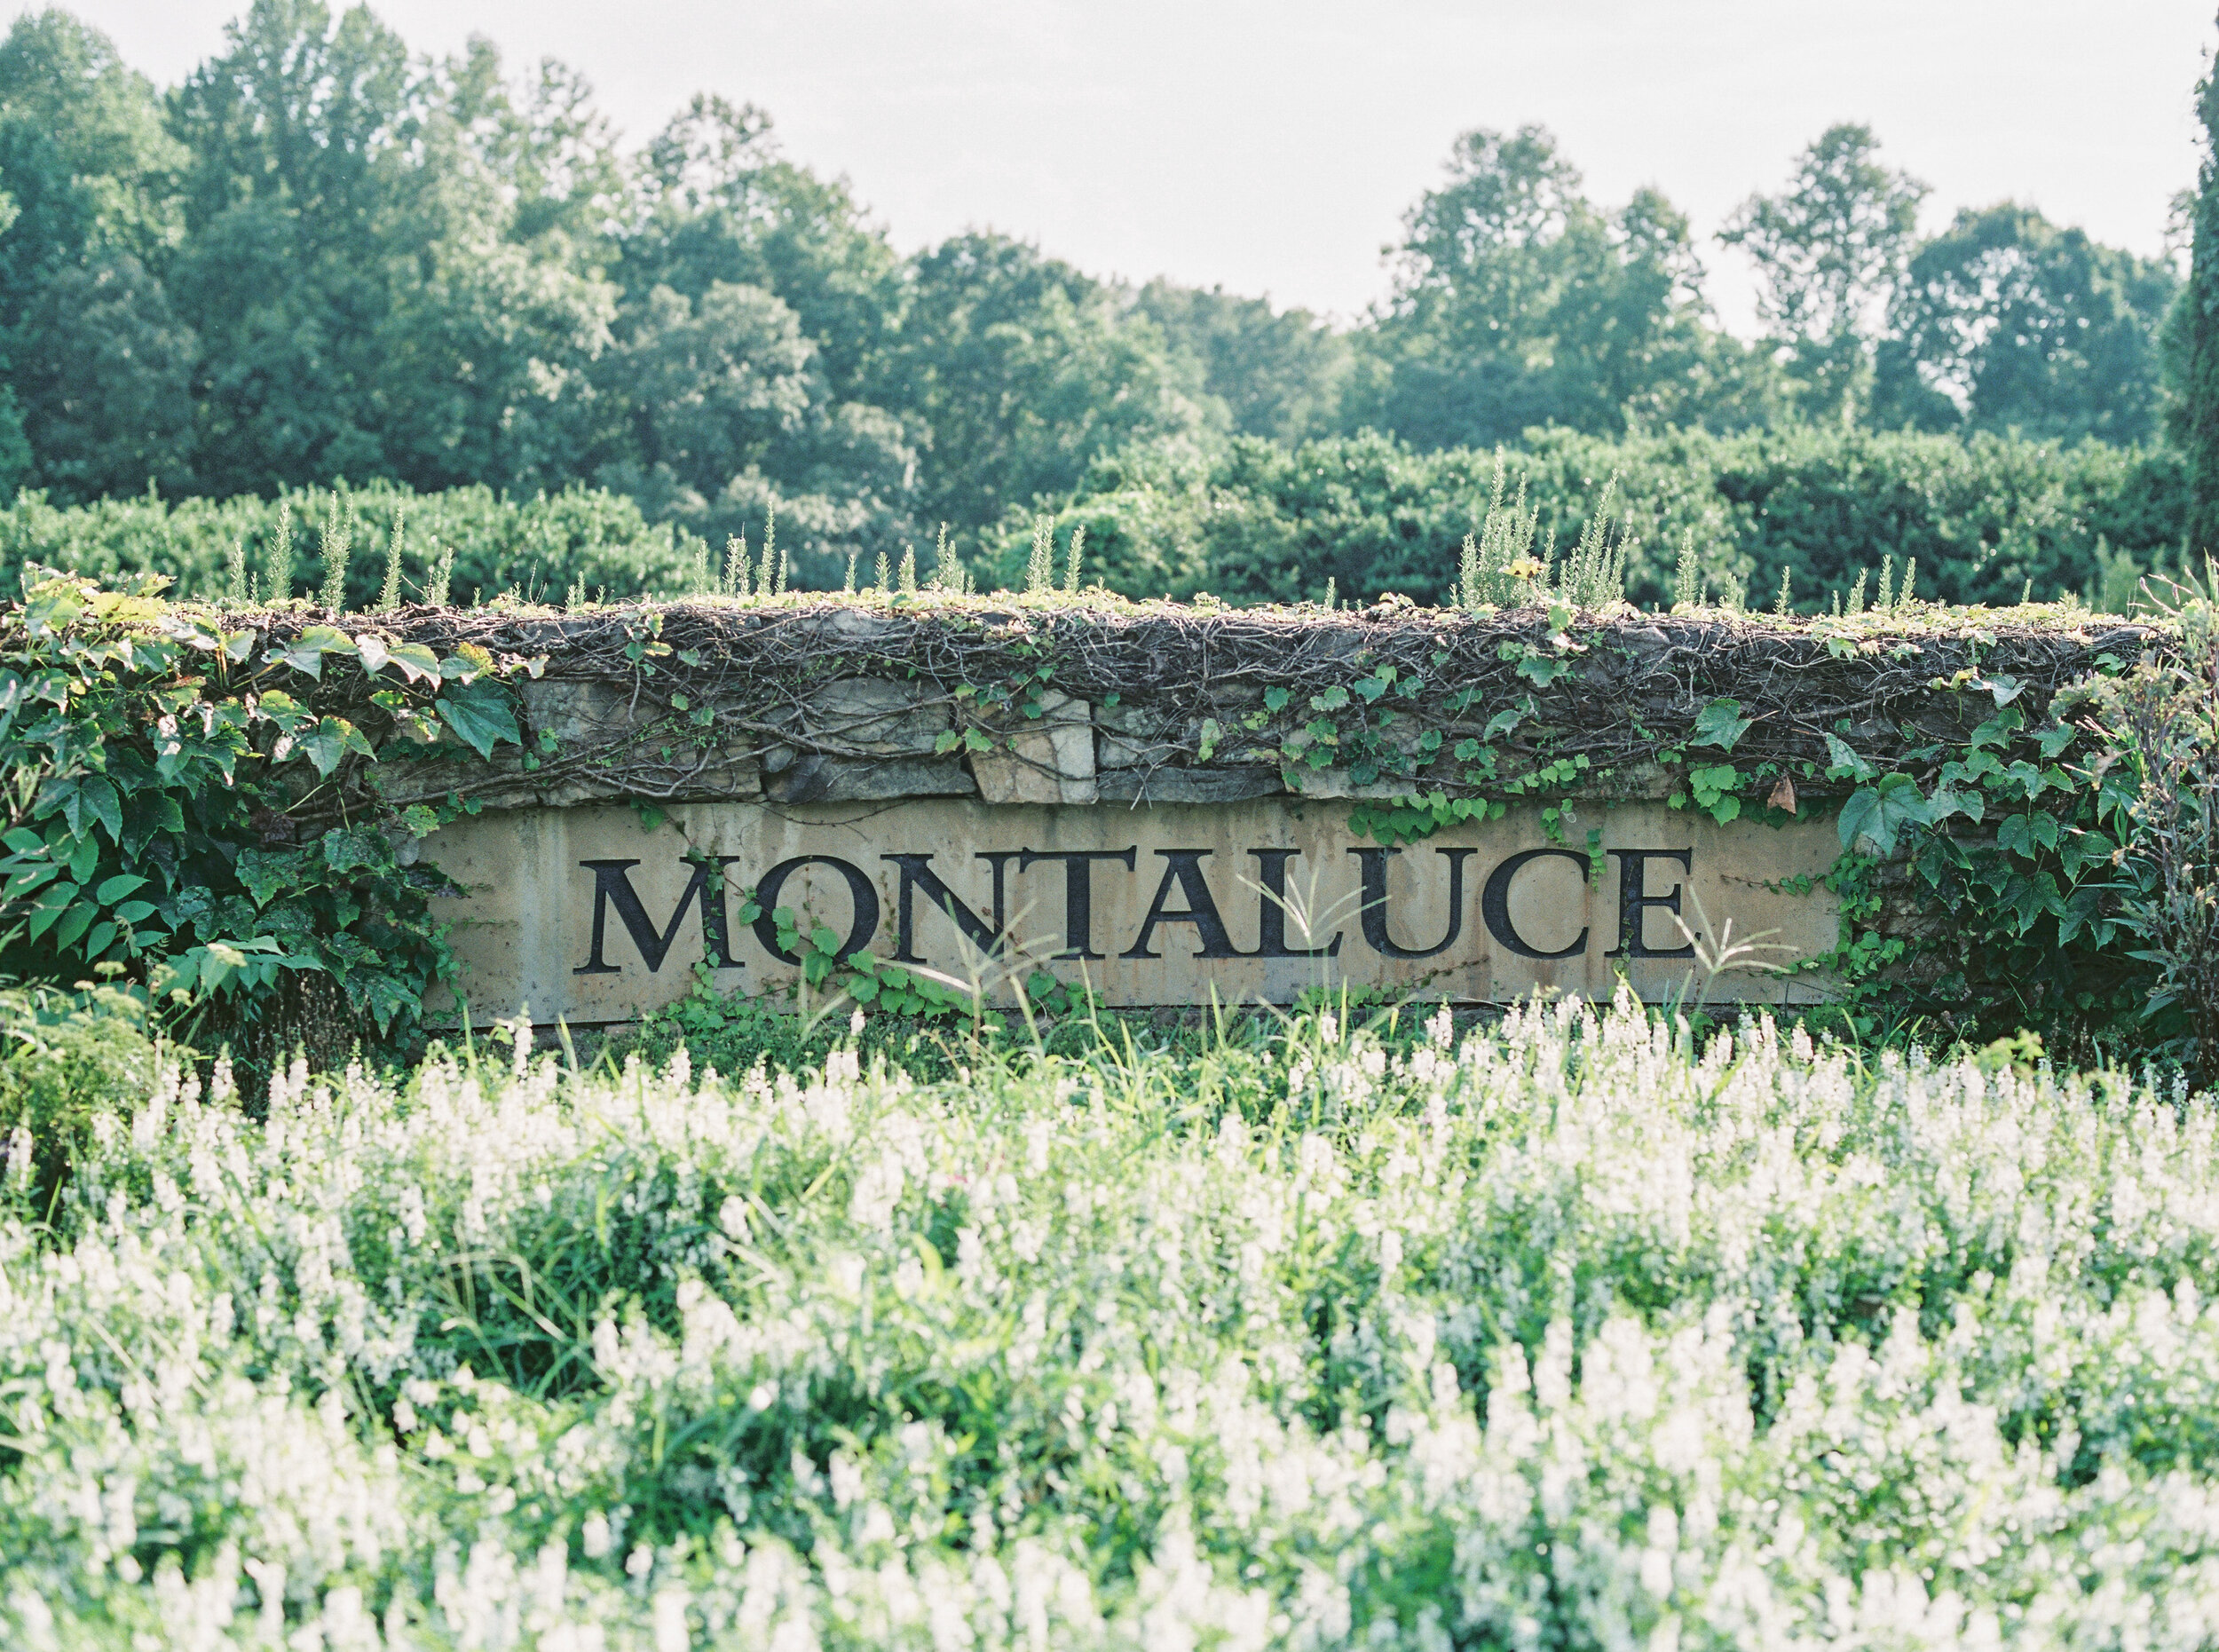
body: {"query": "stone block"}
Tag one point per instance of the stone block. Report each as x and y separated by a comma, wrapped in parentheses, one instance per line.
(1336, 782)
(819, 780)
(1050, 760)
(872, 715)
(719, 774)
(1136, 736)
(1233, 783)
(581, 714)
(594, 720)
(536, 908)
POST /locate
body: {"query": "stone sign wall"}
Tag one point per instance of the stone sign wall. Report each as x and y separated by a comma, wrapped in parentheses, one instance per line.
(586, 914)
(1176, 803)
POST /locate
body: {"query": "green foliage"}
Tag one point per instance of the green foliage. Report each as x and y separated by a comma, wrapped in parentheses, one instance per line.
(1829, 250)
(1019, 1349)
(1981, 517)
(183, 804)
(322, 259)
(1024, 370)
(2011, 858)
(538, 547)
(2162, 727)
(2006, 322)
(2195, 335)
(1279, 375)
(1517, 302)
(67, 1058)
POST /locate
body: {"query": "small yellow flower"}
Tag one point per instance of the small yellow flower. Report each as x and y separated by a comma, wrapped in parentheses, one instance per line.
(1525, 568)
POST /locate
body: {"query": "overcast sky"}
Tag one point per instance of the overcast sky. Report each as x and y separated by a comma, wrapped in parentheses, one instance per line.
(1272, 148)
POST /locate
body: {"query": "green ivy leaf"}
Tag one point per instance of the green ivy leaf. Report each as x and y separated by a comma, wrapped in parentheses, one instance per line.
(1721, 723)
(1845, 765)
(379, 996)
(327, 744)
(1504, 721)
(83, 801)
(479, 712)
(1875, 816)
(51, 905)
(352, 849)
(417, 663)
(1543, 670)
(75, 922)
(267, 872)
(306, 651)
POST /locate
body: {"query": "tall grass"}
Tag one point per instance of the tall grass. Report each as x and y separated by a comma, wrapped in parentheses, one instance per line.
(1569, 1333)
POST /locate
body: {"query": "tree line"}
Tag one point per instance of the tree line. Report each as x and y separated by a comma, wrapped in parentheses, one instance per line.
(323, 258)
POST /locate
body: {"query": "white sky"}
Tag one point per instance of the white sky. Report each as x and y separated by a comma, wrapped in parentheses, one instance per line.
(1273, 147)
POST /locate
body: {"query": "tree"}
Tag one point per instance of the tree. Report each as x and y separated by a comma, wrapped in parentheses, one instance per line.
(1830, 249)
(101, 123)
(98, 365)
(2006, 322)
(1021, 370)
(384, 260)
(1279, 373)
(105, 377)
(1518, 303)
(714, 201)
(2197, 328)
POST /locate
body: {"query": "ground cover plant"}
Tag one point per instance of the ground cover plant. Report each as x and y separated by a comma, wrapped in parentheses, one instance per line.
(1578, 1331)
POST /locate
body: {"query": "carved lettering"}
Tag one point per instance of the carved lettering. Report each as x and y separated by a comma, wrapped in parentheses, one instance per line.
(916, 875)
(865, 898)
(1634, 901)
(1495, 904)
(1183, 868)
(613, 887)
(1271, 916)
(1079, 892)
(1374, 899)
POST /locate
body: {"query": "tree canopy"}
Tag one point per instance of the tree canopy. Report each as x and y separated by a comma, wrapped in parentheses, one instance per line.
(324, 258)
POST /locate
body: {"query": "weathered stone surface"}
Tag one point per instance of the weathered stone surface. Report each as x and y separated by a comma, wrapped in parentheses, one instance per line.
(817, 779)
(1335, 783)
(861, 627)
(591, 717)
(1047, 761)
(590, 713)
(685, 776)
(874, 714)
(1131, 736)
(592, 722)
(1231, 783)
(1529, 911)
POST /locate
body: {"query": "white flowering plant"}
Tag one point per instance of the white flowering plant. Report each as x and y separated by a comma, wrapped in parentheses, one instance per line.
(1574, 1332)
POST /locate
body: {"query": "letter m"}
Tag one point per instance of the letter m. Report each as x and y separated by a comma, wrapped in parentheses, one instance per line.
(613, 887)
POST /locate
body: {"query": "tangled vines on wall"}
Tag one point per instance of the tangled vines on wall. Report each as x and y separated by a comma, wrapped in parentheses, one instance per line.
(706, 685)
(1987, 786)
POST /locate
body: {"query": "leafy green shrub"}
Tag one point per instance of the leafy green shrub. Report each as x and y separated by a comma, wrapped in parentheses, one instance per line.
(67, 1058)
(184, 804)
(2162, 720)
(1985, 518)
(540, 547)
